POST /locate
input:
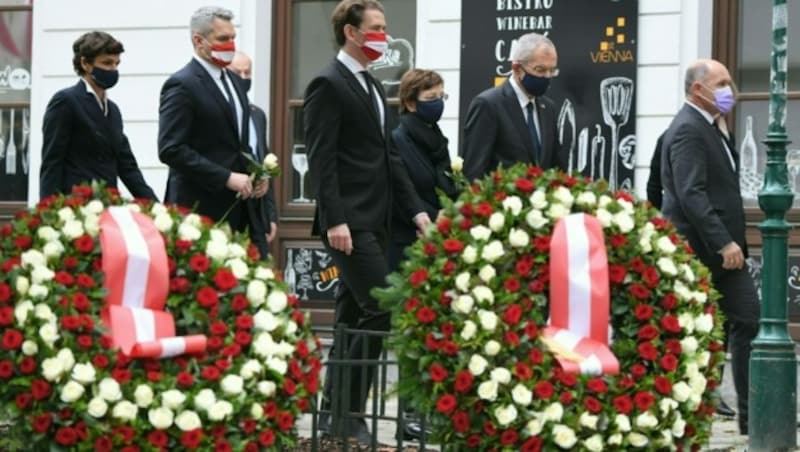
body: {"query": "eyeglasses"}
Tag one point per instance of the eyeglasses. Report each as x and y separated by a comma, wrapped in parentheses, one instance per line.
(542, 71)
(444, 97)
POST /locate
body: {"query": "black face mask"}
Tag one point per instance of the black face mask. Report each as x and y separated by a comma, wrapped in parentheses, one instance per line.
(535, 85)
(430, 111)
(246, 82)
(105, 78)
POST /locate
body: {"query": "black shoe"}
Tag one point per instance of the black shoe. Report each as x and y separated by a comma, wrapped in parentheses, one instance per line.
(724, 410)
(357, 429)
(412, 430)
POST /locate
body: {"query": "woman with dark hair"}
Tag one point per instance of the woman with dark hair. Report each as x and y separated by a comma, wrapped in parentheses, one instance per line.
(82, 128)
(423, 149)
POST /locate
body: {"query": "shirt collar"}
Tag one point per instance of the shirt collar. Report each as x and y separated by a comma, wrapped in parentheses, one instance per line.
(102, 103)
(522, 96)
(213, 71)
(705, 114)
(349, 62)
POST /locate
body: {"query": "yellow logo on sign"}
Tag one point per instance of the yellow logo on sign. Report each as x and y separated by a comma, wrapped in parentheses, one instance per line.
(611, 47)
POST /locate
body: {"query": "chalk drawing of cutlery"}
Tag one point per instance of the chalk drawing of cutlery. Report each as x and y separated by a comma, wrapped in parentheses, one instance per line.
(616, 96)
(2, 137)
(26, 131)
(583, 149)
(598, 154)
(566, 136)
(11, 150)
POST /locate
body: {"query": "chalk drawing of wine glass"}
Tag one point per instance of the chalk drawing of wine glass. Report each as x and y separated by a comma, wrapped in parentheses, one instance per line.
(300, 164)
(616, 97)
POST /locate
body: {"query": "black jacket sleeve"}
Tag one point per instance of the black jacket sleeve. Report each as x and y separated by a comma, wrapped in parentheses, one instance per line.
(654, 188)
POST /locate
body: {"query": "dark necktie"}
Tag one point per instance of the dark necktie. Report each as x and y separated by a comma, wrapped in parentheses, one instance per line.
(730, 150)
(373, 96)
(245, 126)
(537, 146)
(229, 95)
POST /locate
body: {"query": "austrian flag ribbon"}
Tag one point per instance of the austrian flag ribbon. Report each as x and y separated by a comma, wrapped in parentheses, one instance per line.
(137, 279)
(579, 297)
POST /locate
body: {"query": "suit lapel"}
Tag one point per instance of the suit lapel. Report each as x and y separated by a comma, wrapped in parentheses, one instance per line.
(96, 120)
(210, 86)
(359, 90)
(519, 121)
(716, 138)
(544, 135)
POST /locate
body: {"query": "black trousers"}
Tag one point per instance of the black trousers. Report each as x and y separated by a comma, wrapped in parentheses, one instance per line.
(740, 304)
(364, 269)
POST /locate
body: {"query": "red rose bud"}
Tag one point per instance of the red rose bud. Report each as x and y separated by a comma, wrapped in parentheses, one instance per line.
(643, 312)
(463, 381)
(446, 404)
(418, 277)
(438, 373)
(623, 404)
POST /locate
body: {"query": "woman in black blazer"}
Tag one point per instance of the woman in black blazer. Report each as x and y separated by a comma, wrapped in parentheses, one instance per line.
(82, 128)
(423, 149)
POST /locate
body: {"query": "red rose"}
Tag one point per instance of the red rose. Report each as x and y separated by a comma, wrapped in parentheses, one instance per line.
(523, 267)
(443, 225)
(647, 351)
(523, 372)
(489, 428)
(5, 293)
(446, 404)
(473, 441)
(207, 297)
(426, 315)
(511, 285)
(239, 303)
(266, 438)
(673, 346)
(248, 425)
(533, 444)
(623, 404)
(121, 375)
(543, 390)
(637, 265)
(670, 323)
(40, 389)
(70, 262)
(535, 171)
(179, 285)
(191, 439)
(184, 379)
(285, 421)
(302, 349)
(270, 410)
(536, 286)
(463, 381)
(524, 185)
(6, 369)
(6, 316)
(438, 373)
(218, 328)
(650, 276)
(448, 267)
(289, 387)
(453, 245)
(430, 249)
(484, 209)
(27, 365)
(566, 379)
(644, 400)
(182, 245)
(669, 363)
(536, 356)
(616, 273)
(418, 277)
(222, 446)
(617, 240)
(511, 338)
(199, 263)
(669, 301)
(648, 332)
(447, 329)
(23, 242)
(64, 278)
(41, 423)
(225, 280)
(70, 322)
(597, 385)
(509, 437)
(66, 436)
(512, 314)
(100, 361)
(210, 373)
(643, 312)
(80, 302)
(592, 405)
(663, 385)
(460, 421)
(158, 438)
(565, 398)
(465, 224)
(531, 330)
(85, 281)
(625, 382)
(431, 343)
(242, 338)
(12, 339)
(84, 243)
(639, 291)
(542, 244)
(449, 348)
(445, 299)
(638, 370)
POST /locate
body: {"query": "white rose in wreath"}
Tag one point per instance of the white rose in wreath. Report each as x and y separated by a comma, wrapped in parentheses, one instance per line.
(623, 423)
(232, 384)
(109, 390)
(594, 443)
(488, 390)
(52, 369)
(477, 365)
(487, 273)
(564, 436)
(143, 395)
(462, 282)
(84, 373)
(492, 348)
(160, 418)
(501, 375)
(463, 304)
(71, 391)
(277, 301)
(173, 398)
(221, 410)
(205, 399)
(267, 388)
(505, 415)
(512, 204)
(637, 439)
(469, 330)
(522, 396)
(97, 407)
(125, 411)
(496, 221)
(480, 232)
(188, 420)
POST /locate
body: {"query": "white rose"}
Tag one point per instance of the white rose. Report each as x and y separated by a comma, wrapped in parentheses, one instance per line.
(256, 292)
(623, 423)
(143, 395)
(480, 232)
(700, 297)
(554, 412)
(681, 391)
(637, 439)
(456, 164)
(49, 333)
(109, 389)
(703, 323)
(538, 199)
(689, 345)
(644, 244)
(271, 161)
(267, 388)
(163, 222)
(173, 398)
(221, 410)
(678, 428)
(219, 236)
(469, 330)
(488, 390)
(666, 265)
(483, 294)
(505, 415)
(666, 405)
(160, 418)
(698, 384)
(624, 222)
(513, 204)
(22, 285)
(256, 411)
(564, 436)
(236, 251)
(264, 345)
(43, 312)
(204, 399)
(586, 199)
(277, 364)
(501, 375)
(32, 259)
(463, 304)
(692, 369)
(604, 201)
(38, 291)
(188, 232)
(188, 420)
(193, 219)
(469, 255)
(557, 211)
(232, 384)
(488, 319)
(487, 273)
(615, 439)
(477, 364)
(52, 369)
(41, 274)
(627, 206)
(682, 291)
(66, 214)
(47, 233)
(521, 395)
(588, 420)
(66, 357)
(604, 217)
(92, 225)
(518, 238)
(594, 443)
(496, 221)
(71, 391)
(646, 420)
(72, 229)
(264, 273)
(534, 426)
(277, 301)
(493, 251)
(564, 196)
(29, 348)
(687, 273)
(250, 369)
(124, 411)
(84, 373)
(703, 358)
(97, 407)
(265, 320)
(21, 311)
(462, 282)
(686, 321)
(238, 267)
(53, 249)
(535, 219)
(158, 208)
(491, 348)
(665, 245)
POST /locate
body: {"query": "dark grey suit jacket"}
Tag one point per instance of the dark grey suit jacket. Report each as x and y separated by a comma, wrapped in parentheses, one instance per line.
(496, 132)
(701, 189)
(260, 121)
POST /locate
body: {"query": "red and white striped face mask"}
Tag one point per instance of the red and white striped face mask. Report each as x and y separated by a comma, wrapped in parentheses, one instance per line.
(222, 54)
(374, 45)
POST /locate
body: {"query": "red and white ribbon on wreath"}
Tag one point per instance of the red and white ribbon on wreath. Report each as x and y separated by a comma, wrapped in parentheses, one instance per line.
(579, 297)
(137, 279)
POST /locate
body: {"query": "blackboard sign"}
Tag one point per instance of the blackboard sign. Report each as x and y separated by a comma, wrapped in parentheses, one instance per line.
(595, 90)
(310, 273)
(792, 282)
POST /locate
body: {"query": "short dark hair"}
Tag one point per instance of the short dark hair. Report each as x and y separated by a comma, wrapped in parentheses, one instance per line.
(414, 82)
(92, 44)
(350, 12)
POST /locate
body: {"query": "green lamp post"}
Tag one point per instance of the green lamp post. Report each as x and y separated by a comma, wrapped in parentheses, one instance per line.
(773, 366)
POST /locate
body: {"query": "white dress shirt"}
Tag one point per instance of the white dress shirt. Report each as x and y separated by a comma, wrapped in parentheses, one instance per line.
(215, 72)
(524, 99)
(102, 103)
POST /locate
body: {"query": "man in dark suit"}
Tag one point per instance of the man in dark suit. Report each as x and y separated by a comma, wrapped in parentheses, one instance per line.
(203, 129)
(515, 122)
(82, 127)
(356, 174)
(700, 174)
(242, 66)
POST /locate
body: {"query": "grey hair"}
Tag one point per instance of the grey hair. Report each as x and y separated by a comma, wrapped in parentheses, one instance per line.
(696, 72)
(527, 45)
(203, 19)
